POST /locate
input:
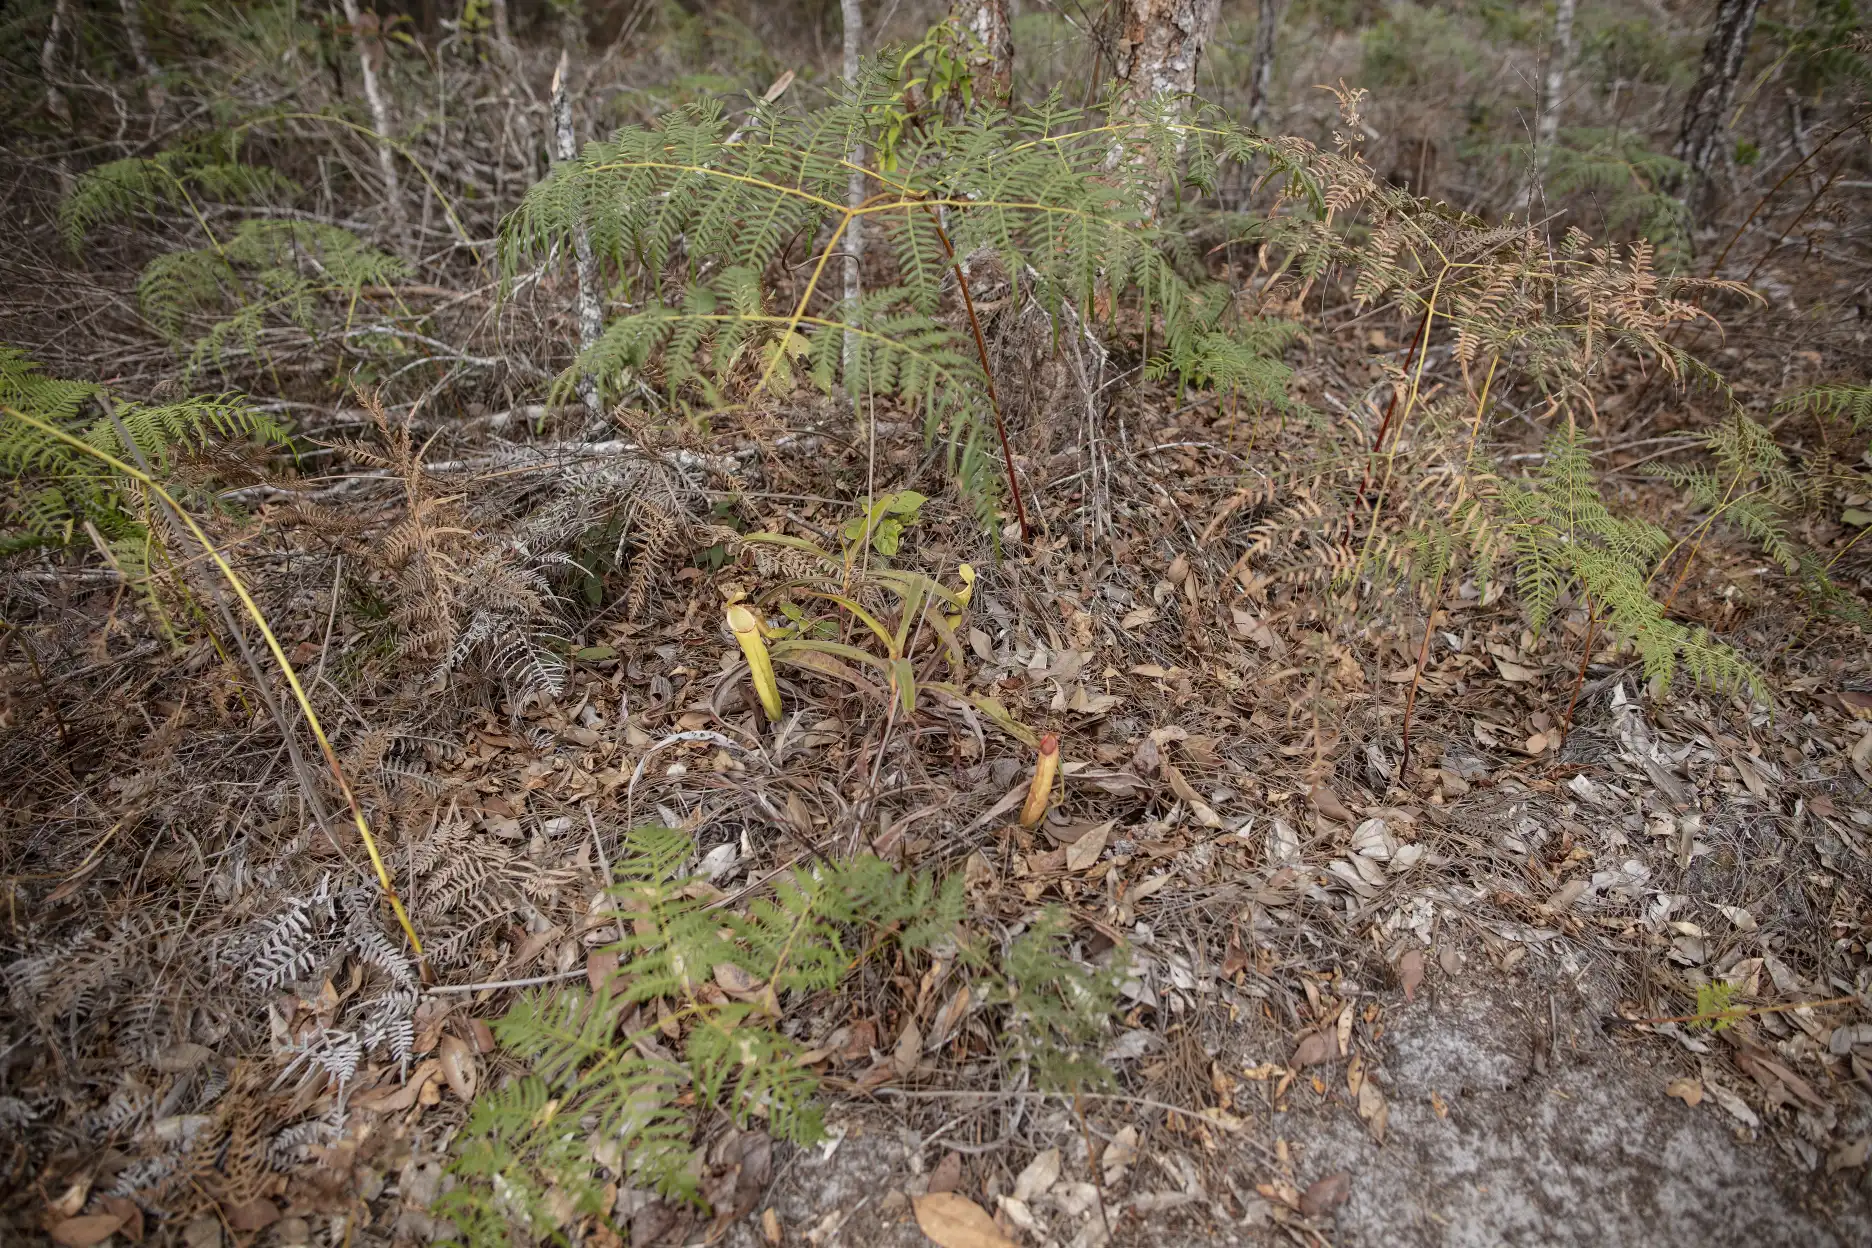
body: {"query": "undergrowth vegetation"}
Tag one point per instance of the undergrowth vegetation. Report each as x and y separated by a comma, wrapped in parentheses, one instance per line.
(748, 494)
(721, 984)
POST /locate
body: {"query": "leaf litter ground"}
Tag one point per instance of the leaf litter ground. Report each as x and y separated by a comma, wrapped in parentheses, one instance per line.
(1455, 1009)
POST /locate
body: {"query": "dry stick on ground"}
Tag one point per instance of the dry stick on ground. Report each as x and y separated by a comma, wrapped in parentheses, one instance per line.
(590, 311)
(370, 53)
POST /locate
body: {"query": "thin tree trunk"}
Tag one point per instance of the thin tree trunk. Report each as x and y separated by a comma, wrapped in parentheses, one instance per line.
(503, 30)
(1261, 77)
(139, 52)
(48, 61)
(1547, 130)
(1706, 112)
(854, 186)
(590, 311)
(1160, 44)
(364, 29)
(993, 66)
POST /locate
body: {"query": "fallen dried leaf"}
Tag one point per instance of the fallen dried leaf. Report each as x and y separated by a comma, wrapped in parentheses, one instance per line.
(1689, 1091)
(1862, 757)
(600, 966)
(1314, 1048)
(1198, 808)
(1281, 1192)
(1410, 972)
(736, 981)
(1090, 703)
(1326, 1194)
(130, 1212)
(954, 1221)
(1119, 1155)
(949, 1018)
(1515, 671)
(394, 1099)
(770, 1228)
(458, 1066)
(1328, 804)
(1374, 1109)
(1850, 1156)
(1039, 1176)
(83, 1232)
(255, 1215)
(909, 1048)
(1085, 851)
(947, 1176)
(73, 1198)
(1734, 1105)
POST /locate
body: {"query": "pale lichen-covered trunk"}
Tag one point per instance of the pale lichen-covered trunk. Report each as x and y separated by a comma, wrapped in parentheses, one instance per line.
(140, 53)
(590, 310)
(1553, 90)
(55, 101)
(364, 29)
(1706, 111)
(1261, 76)
(1160, 45)
(993, 65)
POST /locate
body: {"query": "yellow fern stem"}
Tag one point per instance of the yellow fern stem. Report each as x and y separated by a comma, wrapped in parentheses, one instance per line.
(279, 655)
(746, 630)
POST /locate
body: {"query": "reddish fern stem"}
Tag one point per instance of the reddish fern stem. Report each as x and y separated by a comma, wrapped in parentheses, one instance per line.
(981, 348)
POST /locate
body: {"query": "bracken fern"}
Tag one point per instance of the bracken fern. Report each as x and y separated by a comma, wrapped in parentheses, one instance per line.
(603, 1092)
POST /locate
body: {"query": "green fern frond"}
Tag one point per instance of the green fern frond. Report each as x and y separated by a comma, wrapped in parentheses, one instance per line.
(714, 984)
(1561, 535)
(1850, 401)
(50, 489)
(1041, 192)
(207, 168)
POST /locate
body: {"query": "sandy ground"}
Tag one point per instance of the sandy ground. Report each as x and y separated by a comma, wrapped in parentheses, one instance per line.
(1545, 1129)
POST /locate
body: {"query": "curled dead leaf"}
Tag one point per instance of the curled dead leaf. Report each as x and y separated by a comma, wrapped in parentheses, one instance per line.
(459, 1066)
(1689, 1091)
